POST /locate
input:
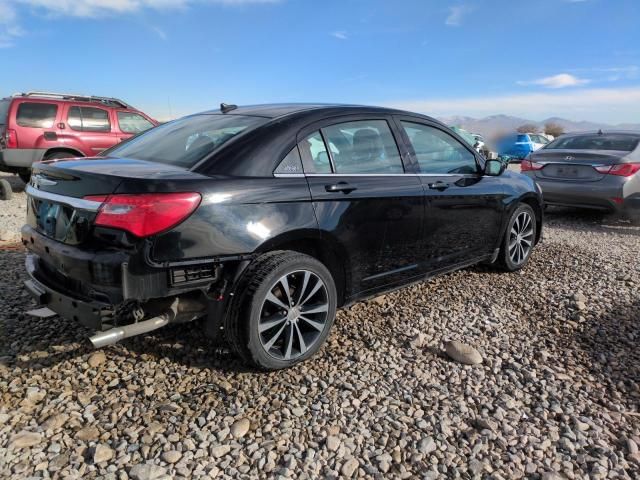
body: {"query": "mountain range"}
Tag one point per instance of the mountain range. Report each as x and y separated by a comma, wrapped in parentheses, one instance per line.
(495, 125)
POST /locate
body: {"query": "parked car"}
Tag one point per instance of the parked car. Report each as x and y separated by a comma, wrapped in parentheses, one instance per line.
(592, 170)
(266, 219)
(519, 145)
(38, 126)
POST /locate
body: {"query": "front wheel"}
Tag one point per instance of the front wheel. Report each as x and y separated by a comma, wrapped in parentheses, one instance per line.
(283, 310)
(519, 239)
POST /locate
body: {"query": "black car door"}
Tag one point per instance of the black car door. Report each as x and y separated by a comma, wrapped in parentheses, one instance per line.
(463, 207)
(363, 199)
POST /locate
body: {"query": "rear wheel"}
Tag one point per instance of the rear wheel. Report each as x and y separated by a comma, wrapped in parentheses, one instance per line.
(282, 311)
(5, 190)
(58, 155)
(519, 239)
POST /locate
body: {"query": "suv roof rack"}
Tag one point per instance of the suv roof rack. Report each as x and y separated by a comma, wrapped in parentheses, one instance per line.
(79, 98)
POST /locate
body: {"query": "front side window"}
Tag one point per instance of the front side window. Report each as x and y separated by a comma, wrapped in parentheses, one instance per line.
(88, 119)
(37, 115)
(364, 146)
(438, 152)
(133, 122)
(314, 153)
(186, 141)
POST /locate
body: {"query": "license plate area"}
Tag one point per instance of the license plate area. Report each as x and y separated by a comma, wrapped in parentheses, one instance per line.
(58, 221)
(570, 172)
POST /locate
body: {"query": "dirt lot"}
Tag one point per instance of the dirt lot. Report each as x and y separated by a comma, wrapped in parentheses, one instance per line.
(557, 395)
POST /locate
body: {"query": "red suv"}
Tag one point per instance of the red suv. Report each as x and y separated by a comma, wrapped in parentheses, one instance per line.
(38, 126)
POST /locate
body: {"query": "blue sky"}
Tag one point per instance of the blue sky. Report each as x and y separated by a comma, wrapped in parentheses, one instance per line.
(578, 59)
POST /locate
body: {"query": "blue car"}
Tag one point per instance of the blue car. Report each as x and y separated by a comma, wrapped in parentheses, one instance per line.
(519, 145)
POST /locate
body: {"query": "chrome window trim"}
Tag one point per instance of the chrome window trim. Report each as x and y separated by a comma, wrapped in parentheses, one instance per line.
(79, 203)
(333, 175)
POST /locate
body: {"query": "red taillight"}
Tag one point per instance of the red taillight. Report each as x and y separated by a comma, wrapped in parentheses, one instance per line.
(625, 169)
(528, 165)
(11, 138)
(145, 214)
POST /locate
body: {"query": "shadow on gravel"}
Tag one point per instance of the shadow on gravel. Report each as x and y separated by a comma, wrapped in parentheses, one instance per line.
(611, 342)
(585, 220)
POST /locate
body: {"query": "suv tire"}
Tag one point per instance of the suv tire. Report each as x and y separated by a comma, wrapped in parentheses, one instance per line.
(519, 239)
(272, 329)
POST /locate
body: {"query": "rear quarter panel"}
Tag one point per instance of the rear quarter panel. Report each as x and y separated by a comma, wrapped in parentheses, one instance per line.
(241, 216)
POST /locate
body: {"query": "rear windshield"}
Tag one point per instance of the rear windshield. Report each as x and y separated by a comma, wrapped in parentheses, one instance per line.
(4, 111)
(186, 141)
(624, 143)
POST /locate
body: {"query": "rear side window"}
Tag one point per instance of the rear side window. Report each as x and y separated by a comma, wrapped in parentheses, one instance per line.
(133, 122)
(186, 141)
(89, 119)
(290, 164)
(364, 146)
(36, 115)
(314, 153)
(4, 111)
(438, 152)
(625, 143)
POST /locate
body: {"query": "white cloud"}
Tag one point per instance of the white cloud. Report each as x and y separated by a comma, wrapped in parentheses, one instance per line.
(561, 80)
(96, 8)
(456, 14)
(9, 28)
(340, 35)
(160, 32)
(602, 104)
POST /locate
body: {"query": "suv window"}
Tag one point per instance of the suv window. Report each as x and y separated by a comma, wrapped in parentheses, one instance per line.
(314, 153)
(36, 115)
(437, 151)
(4, 111)
(89, 119)
(133, 122)
(364, 146)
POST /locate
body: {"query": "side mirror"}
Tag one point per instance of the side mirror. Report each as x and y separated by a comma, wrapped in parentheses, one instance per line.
(493, 168)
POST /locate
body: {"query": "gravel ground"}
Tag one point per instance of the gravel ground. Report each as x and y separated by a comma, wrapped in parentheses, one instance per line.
(557, 394)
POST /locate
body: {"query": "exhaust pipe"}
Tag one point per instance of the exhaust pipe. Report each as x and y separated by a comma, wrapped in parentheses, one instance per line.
(114, 335)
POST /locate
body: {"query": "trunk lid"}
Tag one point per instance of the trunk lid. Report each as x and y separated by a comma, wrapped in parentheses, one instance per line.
(576, 165)
(56, 206)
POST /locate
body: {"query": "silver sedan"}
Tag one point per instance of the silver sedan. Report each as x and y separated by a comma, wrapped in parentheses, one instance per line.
(598, 170)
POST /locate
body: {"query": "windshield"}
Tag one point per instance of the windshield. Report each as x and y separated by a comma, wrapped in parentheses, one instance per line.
(625, 143)
(4, 110)
(186, 141)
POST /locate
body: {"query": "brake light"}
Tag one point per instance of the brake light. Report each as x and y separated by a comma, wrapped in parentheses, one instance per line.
(528, 165)
(145, 214)
(625, 169)
(11, 139)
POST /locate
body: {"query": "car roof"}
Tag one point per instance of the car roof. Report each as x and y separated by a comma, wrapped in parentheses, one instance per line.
(277, 110)
(630, 133)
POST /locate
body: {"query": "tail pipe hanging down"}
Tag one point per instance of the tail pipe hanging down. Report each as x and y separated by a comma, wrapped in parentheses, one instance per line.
(114, 335)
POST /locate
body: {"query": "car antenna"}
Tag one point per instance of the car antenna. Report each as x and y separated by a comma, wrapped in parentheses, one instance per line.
(226, 107)
(600, 132)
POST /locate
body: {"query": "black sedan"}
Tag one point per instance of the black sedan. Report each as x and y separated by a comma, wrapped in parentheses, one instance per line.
(263, 220)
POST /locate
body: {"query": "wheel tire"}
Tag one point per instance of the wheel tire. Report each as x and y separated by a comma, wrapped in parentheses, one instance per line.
(25, 176)
(5, 190)
(250, 304)
(507, 260)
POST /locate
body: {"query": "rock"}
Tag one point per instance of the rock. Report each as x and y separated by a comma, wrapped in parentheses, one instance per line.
(35, 395)
(171, 456)
(55, 421)
(476, 467)
(102, 453)
(632, 447)
(579, 297)
(148, 471)
(96, 359)
(419, 340)
(426, 446)
(25, 439)
(297, 411)
(462, 353)
(88, 434)
(333, 443)
(220, 450)
(240, 427)
(349, 467)
(580, 305)
(551, 476)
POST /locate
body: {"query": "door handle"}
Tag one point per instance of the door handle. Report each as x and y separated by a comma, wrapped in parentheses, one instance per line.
(439, 186)
(343, 187)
